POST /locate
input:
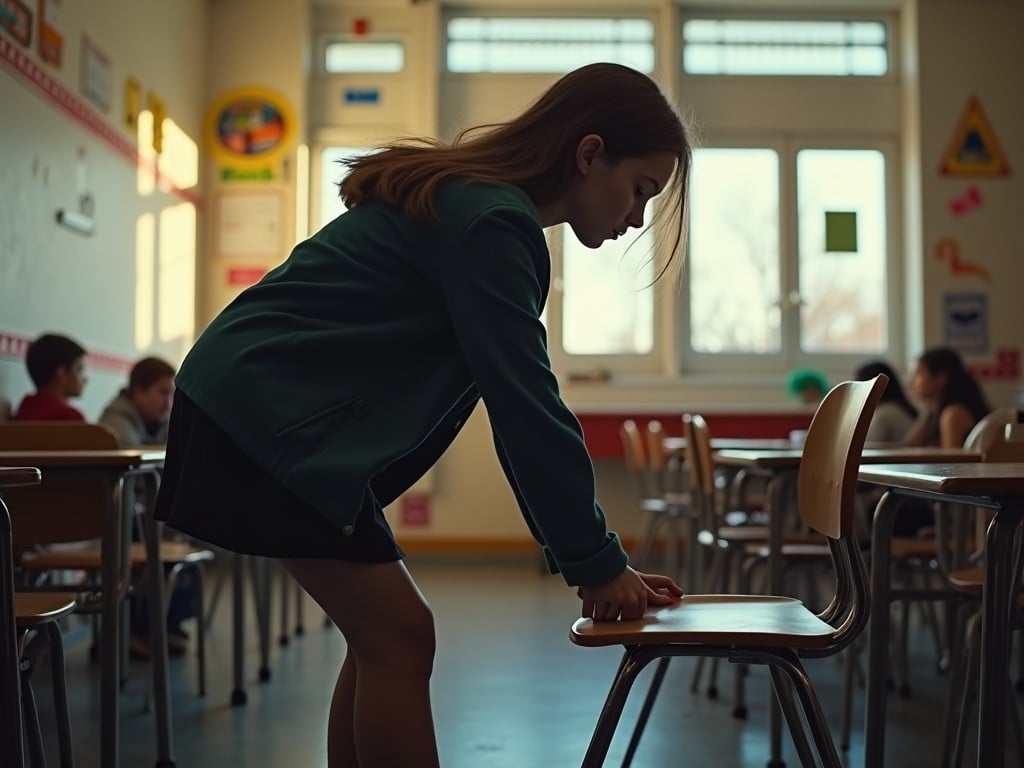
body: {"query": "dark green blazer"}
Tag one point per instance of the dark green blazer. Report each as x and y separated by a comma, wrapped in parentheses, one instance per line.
(353, 365)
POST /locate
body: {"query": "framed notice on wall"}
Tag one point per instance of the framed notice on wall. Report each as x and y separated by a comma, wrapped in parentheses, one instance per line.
(250, 224)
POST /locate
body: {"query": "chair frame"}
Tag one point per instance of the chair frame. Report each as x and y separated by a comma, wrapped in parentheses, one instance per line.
(824, 505)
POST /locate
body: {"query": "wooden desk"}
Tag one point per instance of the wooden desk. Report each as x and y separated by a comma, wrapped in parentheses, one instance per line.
(11, 753)
(114, 467)
(677, 445)
(780, 468)
(993, 485)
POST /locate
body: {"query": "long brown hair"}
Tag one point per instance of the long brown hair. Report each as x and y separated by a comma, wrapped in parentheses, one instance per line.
(536, 151)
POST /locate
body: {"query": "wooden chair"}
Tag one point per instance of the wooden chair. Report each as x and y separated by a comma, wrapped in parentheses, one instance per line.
(650, 499)
(727, 542)
(36, 616)
(57, 512)
(20, 615)
(771, 630)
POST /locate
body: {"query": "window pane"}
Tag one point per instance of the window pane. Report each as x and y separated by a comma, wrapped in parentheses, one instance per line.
(342, 56)
(734, 251)
(607, 306)
(758, 47)
(547, 44)
(843, 254)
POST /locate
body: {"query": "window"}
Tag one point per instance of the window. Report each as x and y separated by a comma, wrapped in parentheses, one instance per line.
(757, 290)
(349, 56)
(777, 47)
(510, 44)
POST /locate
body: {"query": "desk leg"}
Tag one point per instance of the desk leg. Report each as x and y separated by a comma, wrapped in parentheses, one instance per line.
(775, 497)
(878, 638)
(238, 626)
(999, 592)
(158, 628)
(110, 622)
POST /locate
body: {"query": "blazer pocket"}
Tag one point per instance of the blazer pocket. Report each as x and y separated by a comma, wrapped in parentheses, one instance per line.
(307, 433)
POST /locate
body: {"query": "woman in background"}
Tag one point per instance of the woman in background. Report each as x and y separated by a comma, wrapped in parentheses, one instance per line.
(895, 414)
(953, 401)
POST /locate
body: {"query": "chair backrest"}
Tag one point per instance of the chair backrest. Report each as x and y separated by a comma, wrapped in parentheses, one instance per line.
(991, 429)
(632, 447)
(55, 435)
(64, 507)
(1010, 447)
(5, 409)
(655, 441)
(831, 456)
(699, 460)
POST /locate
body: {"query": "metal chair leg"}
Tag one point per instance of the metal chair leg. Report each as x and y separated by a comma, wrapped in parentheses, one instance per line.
(633, 661)
(784, 695)
(60, 694)
(645, 711)
(816, 722)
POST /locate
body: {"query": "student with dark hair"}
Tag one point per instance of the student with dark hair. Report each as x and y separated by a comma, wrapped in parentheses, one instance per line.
(953, 400)
(139, 413)
(895, 414)
(323, 392)
(56, 365)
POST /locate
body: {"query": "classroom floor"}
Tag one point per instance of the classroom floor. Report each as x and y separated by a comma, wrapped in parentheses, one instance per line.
(510, 691)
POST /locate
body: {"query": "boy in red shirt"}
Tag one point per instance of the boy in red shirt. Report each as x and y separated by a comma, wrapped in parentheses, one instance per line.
(56, 365)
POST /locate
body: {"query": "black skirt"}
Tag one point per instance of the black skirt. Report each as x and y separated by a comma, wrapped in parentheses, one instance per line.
(212, 491)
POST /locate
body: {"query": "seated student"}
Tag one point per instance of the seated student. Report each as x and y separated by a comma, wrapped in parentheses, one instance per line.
(953, 400)
(808, 385)
(139, 416)
(895, 414)
(139, 413)
(953, 403)
(56, 365)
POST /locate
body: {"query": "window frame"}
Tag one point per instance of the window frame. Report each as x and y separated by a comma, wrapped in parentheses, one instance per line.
(791, 353)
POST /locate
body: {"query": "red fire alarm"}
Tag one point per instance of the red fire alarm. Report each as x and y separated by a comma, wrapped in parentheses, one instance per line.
(360, 26)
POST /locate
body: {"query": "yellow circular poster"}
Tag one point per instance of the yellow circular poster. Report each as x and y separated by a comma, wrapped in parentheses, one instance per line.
(250, 127)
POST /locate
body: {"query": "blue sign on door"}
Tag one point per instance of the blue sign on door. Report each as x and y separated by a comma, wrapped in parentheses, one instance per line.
(362, 95)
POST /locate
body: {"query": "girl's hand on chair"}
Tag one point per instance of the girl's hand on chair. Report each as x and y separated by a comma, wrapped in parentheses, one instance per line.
(627, 596)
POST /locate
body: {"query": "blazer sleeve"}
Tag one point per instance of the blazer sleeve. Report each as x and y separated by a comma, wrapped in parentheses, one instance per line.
(494, 297)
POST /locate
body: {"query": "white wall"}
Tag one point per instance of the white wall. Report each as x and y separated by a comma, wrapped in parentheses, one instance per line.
(964, 50)
(94, 288)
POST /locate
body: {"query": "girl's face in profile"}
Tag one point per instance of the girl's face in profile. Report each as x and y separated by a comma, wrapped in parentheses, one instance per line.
(926, 385)
(611, 196)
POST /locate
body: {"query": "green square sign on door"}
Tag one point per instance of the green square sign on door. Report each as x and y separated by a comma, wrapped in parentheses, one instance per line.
(841, 231)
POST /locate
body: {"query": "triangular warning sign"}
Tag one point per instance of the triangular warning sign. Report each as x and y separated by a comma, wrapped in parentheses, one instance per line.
(974, 149)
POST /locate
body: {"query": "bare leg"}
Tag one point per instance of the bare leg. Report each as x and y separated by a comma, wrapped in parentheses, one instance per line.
(390, 634)
(341, 740)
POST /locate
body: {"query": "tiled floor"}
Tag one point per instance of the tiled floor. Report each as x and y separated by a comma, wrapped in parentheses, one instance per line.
(510, 691)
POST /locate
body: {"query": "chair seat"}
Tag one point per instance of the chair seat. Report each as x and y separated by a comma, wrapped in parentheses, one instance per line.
(802, 552)
(171, 552)
(740, 534)
(912, 546)
(972, 581)
(714, 620)
(31, 609)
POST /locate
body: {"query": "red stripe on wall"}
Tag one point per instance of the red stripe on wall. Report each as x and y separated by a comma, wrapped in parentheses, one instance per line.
(13, 345)
(19, 63)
